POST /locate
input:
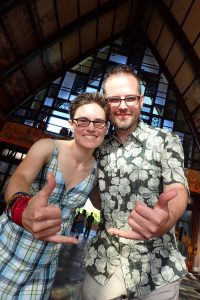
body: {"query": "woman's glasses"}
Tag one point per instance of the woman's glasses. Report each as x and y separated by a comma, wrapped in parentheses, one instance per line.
(84, 122)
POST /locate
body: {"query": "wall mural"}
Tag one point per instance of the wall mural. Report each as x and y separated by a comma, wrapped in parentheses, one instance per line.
(193, 178)
(21, 135)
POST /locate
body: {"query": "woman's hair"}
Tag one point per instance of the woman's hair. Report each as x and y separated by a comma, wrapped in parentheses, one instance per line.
(117, 70)
(88, 98)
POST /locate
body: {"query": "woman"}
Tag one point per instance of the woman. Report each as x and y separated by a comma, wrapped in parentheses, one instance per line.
(28, 265)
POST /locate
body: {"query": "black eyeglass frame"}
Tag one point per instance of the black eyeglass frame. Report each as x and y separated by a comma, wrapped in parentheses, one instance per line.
(102, 123)
(120, 99)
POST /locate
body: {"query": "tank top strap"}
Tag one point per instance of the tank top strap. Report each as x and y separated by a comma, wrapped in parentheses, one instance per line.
(55, 151)
(50, 167)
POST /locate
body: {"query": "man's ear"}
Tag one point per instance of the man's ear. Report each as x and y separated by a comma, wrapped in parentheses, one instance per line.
(142, 101)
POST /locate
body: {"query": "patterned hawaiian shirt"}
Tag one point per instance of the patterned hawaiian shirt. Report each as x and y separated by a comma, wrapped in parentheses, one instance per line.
(150, 159)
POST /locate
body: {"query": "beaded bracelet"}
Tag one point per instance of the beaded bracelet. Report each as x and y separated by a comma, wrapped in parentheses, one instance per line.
(16, 207)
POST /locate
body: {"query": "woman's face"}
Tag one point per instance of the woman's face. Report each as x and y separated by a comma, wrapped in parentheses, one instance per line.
(92, 135)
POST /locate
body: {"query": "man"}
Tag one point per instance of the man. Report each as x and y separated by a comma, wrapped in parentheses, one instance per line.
(136, 165)
(89, 222)
(143, 193)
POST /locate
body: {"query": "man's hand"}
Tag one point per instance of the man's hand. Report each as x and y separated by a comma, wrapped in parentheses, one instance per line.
(44, 220)
(147, 223)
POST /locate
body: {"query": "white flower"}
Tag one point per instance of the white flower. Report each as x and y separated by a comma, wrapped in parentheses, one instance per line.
(100, 265)
(155, 266)
(115, 181)
(104, 162)
(124, 187)
(107, 197)
(168, 274)
(178, 262)
(174, 163)
(111, 204)
(144, 278)
(130, 205)
(102, 184)
(91, 255)
(136, 276)
(155, 143)
(119, 152)
(101, 279)
(113, 190)
(125, 251)
(134, 175)
(121, 162)
(152, 183)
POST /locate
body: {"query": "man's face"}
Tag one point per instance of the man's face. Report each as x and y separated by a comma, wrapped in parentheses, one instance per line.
(124, 117)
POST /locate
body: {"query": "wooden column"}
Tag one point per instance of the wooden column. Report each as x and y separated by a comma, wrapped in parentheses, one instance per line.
(196, 240)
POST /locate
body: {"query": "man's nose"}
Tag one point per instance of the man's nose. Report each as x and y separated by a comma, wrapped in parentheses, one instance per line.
(123, 104)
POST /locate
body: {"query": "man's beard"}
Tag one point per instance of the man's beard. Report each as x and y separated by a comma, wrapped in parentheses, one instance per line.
(121, 126)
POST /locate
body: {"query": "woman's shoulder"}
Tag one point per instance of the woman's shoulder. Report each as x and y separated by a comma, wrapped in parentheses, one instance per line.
(43, 142)
(62, 143)
(43, 148)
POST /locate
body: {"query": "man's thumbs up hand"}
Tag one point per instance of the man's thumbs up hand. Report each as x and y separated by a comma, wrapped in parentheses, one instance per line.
(44, 220)
(145, 222)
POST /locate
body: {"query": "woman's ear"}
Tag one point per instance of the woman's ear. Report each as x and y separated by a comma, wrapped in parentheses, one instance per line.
(70, 124)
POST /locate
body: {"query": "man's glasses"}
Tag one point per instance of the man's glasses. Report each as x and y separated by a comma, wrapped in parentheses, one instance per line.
(84, 122)
(129, 100)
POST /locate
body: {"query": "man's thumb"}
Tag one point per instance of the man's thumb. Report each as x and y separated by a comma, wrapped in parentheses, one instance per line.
(165, 198)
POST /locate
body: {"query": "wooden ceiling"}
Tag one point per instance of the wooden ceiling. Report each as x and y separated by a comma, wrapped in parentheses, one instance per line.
(40, 39)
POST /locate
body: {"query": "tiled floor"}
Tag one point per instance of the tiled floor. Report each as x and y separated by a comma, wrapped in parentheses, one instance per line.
(71, 273)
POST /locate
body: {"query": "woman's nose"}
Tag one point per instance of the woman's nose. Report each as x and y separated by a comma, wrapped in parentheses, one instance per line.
(91, 126)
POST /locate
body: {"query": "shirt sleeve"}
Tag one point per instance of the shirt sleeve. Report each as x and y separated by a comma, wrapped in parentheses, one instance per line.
(173, 161)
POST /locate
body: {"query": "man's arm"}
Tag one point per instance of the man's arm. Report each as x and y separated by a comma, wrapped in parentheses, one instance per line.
(178, 204)
(146, 223)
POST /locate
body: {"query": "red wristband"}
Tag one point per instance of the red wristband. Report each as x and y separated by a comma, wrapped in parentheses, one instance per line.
(17, 208)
